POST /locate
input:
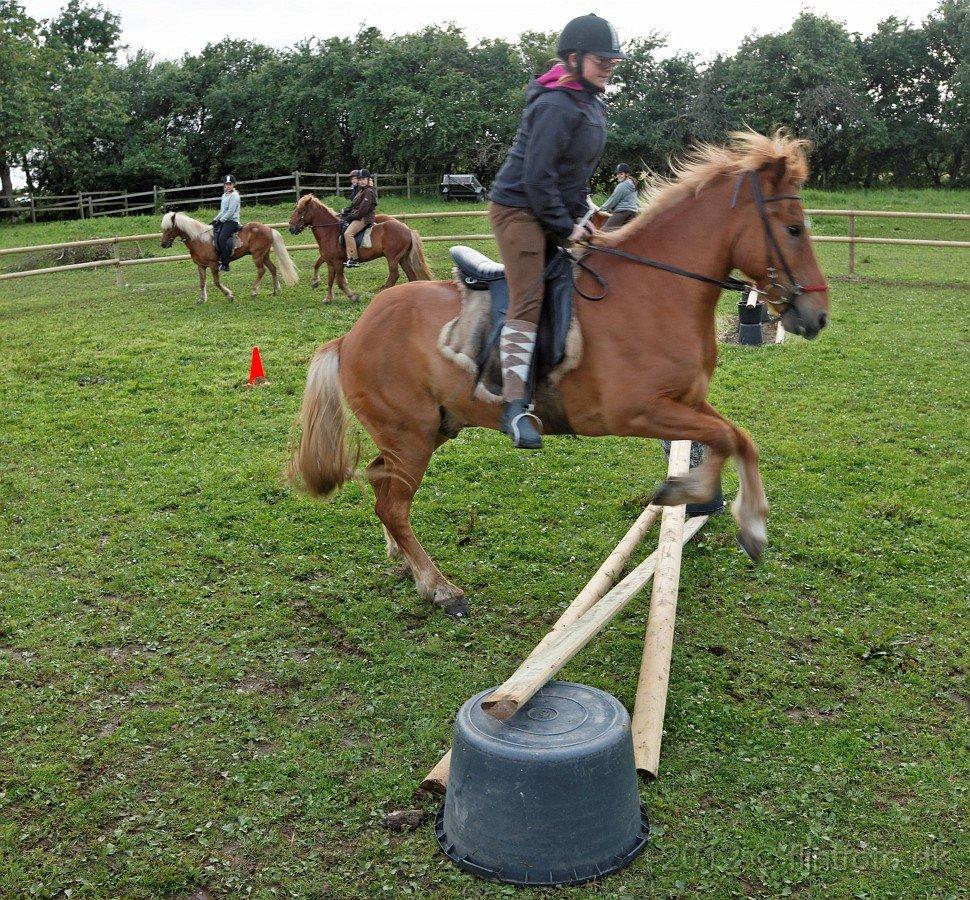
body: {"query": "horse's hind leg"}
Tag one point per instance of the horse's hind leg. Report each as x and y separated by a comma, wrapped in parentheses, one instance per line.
(392, 274)
(260, 272)
(408, 268)
(272, 271)
(203, 294)
(395, 476)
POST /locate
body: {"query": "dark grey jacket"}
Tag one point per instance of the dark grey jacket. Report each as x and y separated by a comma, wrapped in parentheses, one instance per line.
(558, 145)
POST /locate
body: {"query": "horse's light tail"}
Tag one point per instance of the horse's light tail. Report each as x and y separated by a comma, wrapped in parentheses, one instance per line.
(417, 258)
(290, 275)
(326, 456)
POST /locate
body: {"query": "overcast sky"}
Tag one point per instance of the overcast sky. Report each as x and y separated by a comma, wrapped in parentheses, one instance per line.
(170, 28)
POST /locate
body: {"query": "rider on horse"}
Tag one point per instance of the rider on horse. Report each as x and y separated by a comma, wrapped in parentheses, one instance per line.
(354, 189)
(623, 203)
(226, 224)
(360, 214)
(540, 195)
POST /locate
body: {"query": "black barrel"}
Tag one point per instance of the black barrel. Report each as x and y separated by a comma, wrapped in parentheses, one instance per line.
(547, 797)
(749, 324)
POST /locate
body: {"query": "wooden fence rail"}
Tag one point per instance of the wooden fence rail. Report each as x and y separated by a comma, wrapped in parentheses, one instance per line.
(93, 204)
(851, 239)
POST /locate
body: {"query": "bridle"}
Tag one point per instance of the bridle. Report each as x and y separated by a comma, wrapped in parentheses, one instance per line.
(312, 225)
(788, 293)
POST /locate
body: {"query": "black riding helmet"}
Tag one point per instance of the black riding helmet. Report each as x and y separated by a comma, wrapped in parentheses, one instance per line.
(589, 34)
(364, 173)
(622, 167)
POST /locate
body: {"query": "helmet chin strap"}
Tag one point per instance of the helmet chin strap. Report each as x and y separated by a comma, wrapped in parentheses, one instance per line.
(592, 88)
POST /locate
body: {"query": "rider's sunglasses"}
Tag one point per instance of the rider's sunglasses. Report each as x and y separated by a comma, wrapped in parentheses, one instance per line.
(606, 63)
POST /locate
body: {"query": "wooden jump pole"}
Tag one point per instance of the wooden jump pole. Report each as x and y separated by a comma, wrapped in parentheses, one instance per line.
(595, 588)
(558, 648)
(651, 699)
(585, 617)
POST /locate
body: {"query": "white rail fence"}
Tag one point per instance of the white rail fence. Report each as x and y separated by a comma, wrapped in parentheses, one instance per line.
(852, 239)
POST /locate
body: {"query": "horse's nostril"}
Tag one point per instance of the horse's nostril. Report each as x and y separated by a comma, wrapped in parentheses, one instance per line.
(822, 319)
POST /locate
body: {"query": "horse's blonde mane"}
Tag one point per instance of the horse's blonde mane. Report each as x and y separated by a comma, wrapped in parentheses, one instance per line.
(192, 228)
(313, 200)
(746, 151)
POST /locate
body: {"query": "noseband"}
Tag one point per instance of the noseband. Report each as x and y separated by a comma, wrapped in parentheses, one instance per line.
(788, 293)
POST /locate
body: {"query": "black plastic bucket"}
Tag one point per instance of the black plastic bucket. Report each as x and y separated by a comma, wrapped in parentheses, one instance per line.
(749, 324)
(547, 797)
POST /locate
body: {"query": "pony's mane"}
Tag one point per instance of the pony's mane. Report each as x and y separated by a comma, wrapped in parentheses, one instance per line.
(187, 225)
(746, 151)
(313, 200)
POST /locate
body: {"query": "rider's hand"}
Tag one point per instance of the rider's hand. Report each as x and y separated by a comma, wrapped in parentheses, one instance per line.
(581, 233)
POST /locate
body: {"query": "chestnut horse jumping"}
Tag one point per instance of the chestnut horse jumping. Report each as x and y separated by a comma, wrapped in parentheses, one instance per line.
(390, 238)
(649, 347)
(254, 238)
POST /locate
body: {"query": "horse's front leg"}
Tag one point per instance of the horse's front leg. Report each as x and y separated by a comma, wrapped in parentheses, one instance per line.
(215, 277)
(316, 274)
(673, 420)
(342, 282)
(203, 294)
(331, 273)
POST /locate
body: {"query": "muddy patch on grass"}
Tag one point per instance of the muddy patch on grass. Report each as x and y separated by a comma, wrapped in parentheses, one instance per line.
(730, 334)
(801, 714)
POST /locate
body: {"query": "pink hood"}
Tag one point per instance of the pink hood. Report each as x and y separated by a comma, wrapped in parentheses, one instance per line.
(551, 79)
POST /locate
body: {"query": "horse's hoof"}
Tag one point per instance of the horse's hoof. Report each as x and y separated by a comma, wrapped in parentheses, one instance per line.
(355, 298)
(752, 545)
(452, 602)
(670, 492)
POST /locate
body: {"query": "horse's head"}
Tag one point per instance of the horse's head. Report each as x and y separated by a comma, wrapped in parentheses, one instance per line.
(170, 230)
(310, 211)
(772, 244)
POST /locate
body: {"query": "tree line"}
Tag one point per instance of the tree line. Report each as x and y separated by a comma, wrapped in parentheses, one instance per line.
(78, 111)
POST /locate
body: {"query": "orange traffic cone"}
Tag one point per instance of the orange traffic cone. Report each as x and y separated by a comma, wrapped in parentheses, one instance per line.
(256, 373)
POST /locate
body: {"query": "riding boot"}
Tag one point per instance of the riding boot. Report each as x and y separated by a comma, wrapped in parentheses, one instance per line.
(516, 347)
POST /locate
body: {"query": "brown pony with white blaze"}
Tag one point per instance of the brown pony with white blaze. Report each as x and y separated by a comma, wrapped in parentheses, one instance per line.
(649, 348)
(390, 238)
(253, 238)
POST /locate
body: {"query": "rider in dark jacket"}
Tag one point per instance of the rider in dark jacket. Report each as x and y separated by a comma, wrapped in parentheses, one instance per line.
(540, 194)
(361, 213)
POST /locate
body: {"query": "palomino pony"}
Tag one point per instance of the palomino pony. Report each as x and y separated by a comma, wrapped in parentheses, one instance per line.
(254, 238)
(390, 238)
(648, 353)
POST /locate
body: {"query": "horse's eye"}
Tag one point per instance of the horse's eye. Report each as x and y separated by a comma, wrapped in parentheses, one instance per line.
(794, 230)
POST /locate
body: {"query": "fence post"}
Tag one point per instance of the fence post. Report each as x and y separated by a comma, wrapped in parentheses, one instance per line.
(407, 178)
(33, 210)
(851, 244)
(80, 205)
(296, 185)
(336, 184)
(126, 205)
(119, 280)
(154, 198)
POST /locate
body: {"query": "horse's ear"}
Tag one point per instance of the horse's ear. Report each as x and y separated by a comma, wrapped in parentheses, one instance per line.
(166, 209)
(778, 170)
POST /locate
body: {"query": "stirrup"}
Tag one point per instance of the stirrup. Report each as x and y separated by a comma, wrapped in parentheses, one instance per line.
(525, 434)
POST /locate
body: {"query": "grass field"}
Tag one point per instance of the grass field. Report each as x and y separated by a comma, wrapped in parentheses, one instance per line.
(211, 687)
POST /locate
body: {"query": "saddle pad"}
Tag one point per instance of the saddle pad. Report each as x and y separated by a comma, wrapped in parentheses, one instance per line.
(362, 238)
(471, 339)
